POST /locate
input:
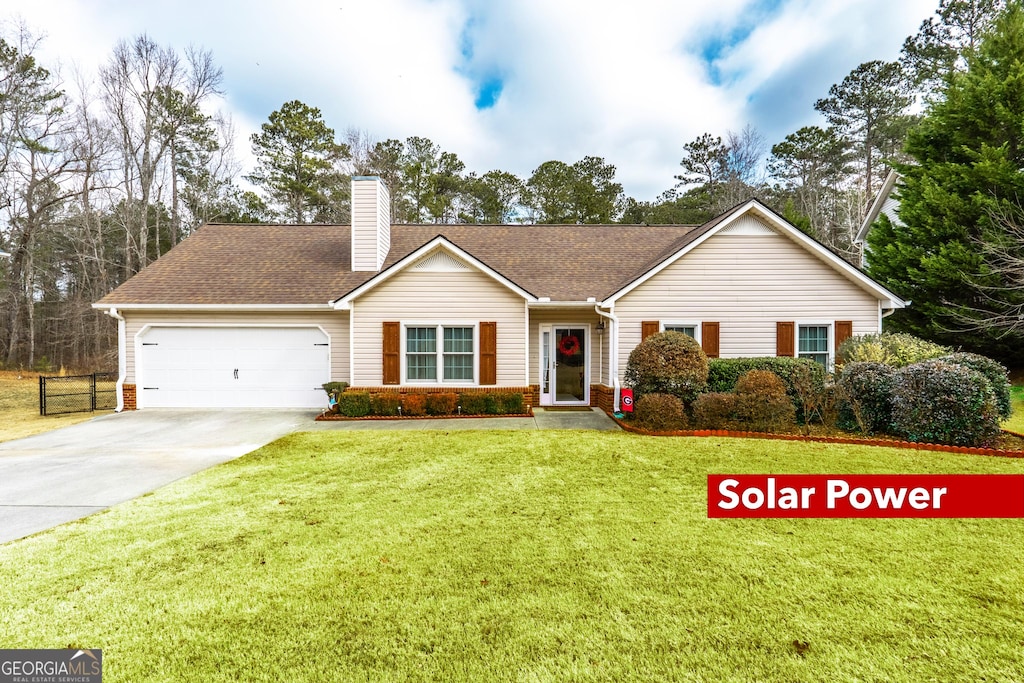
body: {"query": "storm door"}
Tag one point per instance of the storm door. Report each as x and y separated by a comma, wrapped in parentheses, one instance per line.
(569, 371)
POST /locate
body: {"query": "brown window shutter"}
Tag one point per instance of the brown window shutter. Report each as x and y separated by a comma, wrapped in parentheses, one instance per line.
(649, 327)
(785, 339)
(844, 330)
(709, 339)
(392, 343)
(488, 353)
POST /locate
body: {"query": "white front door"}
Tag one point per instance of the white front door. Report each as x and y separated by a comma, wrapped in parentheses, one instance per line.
(232, 367)
(565, 365)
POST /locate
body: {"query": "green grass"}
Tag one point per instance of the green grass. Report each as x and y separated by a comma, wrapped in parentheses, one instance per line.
(1016, 421)
(19, 407)
(533, 556)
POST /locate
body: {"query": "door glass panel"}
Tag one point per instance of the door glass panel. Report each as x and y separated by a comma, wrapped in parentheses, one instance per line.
(545, 368)
(570, 364)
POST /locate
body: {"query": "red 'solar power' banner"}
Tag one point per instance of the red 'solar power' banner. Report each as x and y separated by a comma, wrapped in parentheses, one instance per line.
(866, 495)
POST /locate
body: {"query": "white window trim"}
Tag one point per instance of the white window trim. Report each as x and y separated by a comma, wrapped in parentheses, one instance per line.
(829, 343)
(439, 326)
(696, 325)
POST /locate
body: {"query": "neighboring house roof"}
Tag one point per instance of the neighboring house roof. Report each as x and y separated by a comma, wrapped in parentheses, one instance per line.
(885, 203)
(310, 265)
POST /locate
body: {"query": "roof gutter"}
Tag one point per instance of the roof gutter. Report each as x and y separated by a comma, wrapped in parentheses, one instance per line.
(212, 307)
(122, 355)
(613, 350)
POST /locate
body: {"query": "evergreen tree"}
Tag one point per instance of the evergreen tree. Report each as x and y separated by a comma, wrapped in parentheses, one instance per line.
(968, 169)
(297, 165)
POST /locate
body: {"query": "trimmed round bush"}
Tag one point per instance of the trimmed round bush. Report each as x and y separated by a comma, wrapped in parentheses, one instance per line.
(659, 413)
(715, 410)
(668, 363)
(996, 374)
(896, 349)
(868, 388)
(762, 404)
(940, 402)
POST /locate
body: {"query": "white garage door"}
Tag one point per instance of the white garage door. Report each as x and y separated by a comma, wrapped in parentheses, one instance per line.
(232, 367)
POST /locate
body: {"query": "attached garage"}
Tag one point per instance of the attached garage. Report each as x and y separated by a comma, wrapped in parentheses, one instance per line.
(231, 367)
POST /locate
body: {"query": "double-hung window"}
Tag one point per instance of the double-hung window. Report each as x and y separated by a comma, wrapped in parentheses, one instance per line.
(440, 353)
(812, 343)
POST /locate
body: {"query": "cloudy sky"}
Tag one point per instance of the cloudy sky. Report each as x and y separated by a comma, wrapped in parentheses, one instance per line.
(510, 84)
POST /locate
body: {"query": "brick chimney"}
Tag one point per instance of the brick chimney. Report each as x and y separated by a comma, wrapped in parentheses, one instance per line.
(371, 223)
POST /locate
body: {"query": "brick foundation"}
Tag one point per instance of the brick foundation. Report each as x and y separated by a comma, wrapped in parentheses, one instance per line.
(530, 394)
(128, 391)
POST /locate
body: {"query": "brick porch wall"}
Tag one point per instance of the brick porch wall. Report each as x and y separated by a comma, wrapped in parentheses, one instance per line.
(602, 397)
(128, 391)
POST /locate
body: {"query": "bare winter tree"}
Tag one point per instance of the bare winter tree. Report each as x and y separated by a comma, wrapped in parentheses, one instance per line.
(151, 95)
(37, 163)
(999, 290)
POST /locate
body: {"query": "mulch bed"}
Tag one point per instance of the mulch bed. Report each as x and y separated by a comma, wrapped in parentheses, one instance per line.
(1010, 444)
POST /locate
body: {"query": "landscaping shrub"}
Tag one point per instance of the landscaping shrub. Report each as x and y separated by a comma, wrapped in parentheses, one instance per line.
(414, 405)
(832, 400)
(715, 410)
(335, 387)
(723, 373)
(896, 349)
(996, 374)
(762, 404)
(659, 413)
(441, 404)
(668, 363)
(940, 402)
(354, 403)
(868, 389)
(506, 403)
(385, 404)
(473, 403)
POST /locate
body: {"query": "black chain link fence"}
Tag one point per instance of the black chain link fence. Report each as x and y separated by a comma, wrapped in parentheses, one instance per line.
(77, 393)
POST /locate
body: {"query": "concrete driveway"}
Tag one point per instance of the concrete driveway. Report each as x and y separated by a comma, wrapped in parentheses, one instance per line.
(52, 478)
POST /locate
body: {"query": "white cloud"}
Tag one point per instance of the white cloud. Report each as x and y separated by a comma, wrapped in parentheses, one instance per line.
(613, 79)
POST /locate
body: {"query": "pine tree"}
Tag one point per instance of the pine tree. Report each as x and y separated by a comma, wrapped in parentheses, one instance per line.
(968, 169)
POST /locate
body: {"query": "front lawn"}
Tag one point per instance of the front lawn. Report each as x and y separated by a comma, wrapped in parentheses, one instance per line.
(535, 556)
(19, 407)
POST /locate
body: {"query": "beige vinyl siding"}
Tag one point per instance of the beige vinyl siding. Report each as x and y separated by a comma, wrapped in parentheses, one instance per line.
(597, 346)
(334, 323)
(426, 296)
(371, 229)
(747, 281)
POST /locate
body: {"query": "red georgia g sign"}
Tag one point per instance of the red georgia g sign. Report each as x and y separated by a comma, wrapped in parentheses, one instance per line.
(866, 495)
(626, 399)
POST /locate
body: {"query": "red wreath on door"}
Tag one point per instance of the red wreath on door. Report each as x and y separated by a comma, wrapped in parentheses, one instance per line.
(569, 346)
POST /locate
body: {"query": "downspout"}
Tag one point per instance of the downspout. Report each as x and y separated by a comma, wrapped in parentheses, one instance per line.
(613, 352)
(122, 356)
